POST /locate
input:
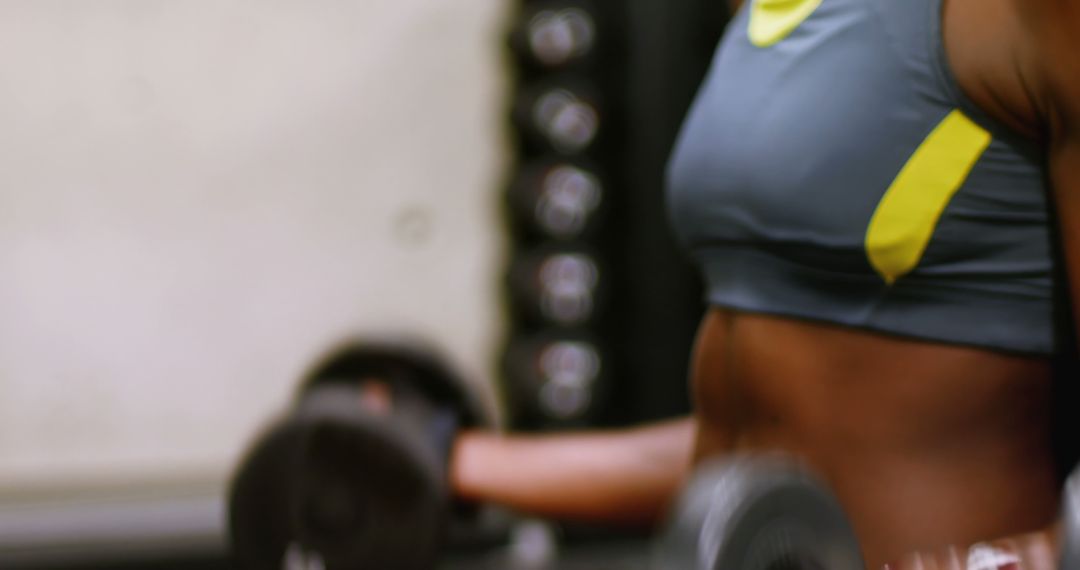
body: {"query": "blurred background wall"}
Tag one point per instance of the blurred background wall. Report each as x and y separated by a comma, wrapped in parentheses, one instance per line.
(198, 198)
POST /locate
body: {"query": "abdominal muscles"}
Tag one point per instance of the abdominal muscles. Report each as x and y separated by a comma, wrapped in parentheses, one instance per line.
(926, 445)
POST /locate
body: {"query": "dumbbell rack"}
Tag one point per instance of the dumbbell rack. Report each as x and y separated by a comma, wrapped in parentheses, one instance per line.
(558, 199)
(603, 305)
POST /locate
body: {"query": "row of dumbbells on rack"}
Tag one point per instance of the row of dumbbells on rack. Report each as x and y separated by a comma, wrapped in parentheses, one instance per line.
(354, 476)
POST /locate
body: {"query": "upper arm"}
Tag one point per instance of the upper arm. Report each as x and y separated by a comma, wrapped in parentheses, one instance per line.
(1065, 182)
(1053, 28)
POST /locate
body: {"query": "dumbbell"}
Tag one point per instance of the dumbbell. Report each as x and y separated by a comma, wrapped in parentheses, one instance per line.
(749, 512)
(1070, 524)
(336, 483)
(769, 513)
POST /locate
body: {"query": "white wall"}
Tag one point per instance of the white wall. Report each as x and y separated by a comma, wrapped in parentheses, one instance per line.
(197, 197)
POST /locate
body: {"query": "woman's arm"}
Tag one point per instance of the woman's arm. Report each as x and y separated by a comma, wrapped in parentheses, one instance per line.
(624, 477)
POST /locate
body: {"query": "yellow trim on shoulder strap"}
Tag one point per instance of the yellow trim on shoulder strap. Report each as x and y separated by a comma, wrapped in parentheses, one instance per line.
(907, 215)
(772, 20)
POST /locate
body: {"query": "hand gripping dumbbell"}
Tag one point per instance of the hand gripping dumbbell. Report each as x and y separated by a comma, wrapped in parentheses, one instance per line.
(354, 475)
(769, 513)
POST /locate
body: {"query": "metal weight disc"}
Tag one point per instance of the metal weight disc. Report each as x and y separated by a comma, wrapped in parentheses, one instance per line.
(331, 488)
(1070, 524)
(757, 513)
(431, 402)
(372, 494)
(402, 363)
(260, 510)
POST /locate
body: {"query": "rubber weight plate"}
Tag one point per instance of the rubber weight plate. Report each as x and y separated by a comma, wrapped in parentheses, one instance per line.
(1070, 524)
(372, 493)
(260, 504)
(756, 513)
(403, 364)
(427, 394)
(332, 488)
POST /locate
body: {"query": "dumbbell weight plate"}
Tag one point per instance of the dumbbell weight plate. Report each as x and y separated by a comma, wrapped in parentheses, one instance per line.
(372, 493)
(328, 488)
(401, 363)
(757, 514)
(260, 511)
(331, 486)
(1070, 524)
(426, 392)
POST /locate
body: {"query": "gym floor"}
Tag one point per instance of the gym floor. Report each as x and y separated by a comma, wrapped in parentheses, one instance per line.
(604, 556)
(599, 555)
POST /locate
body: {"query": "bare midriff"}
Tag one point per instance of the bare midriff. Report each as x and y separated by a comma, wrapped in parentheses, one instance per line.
(926, 445)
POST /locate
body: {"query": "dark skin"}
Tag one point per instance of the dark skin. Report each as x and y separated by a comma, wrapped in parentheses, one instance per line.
(930, 448)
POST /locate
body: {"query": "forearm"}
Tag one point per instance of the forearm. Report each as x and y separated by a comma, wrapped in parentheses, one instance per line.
(621, 477)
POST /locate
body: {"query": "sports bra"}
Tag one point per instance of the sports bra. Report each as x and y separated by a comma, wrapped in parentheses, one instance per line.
(830, 169)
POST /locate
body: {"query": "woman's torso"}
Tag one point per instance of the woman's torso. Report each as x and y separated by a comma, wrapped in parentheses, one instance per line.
(925, 443)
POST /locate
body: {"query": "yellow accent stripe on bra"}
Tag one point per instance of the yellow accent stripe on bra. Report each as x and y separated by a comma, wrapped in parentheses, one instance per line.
(772, 20)
(908, 213)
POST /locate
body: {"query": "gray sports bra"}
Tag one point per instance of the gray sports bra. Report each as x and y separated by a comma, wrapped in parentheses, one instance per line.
(831, 169)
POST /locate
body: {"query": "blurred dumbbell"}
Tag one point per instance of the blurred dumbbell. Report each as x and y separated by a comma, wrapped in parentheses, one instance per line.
(756, 513)
(562, 113)
(354, 475)
(556, 199)
(768, 513)
(555, 34)
(554, 379)
(1070, 524)
(559, 284)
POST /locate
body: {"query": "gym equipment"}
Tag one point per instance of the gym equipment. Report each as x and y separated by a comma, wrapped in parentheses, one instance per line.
(555, 34)
(563, 114)
(554, 379)
(1070, 524)
(756, 513)
(337, 483)
(556, 199)
(341, 485)
(563, 285)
